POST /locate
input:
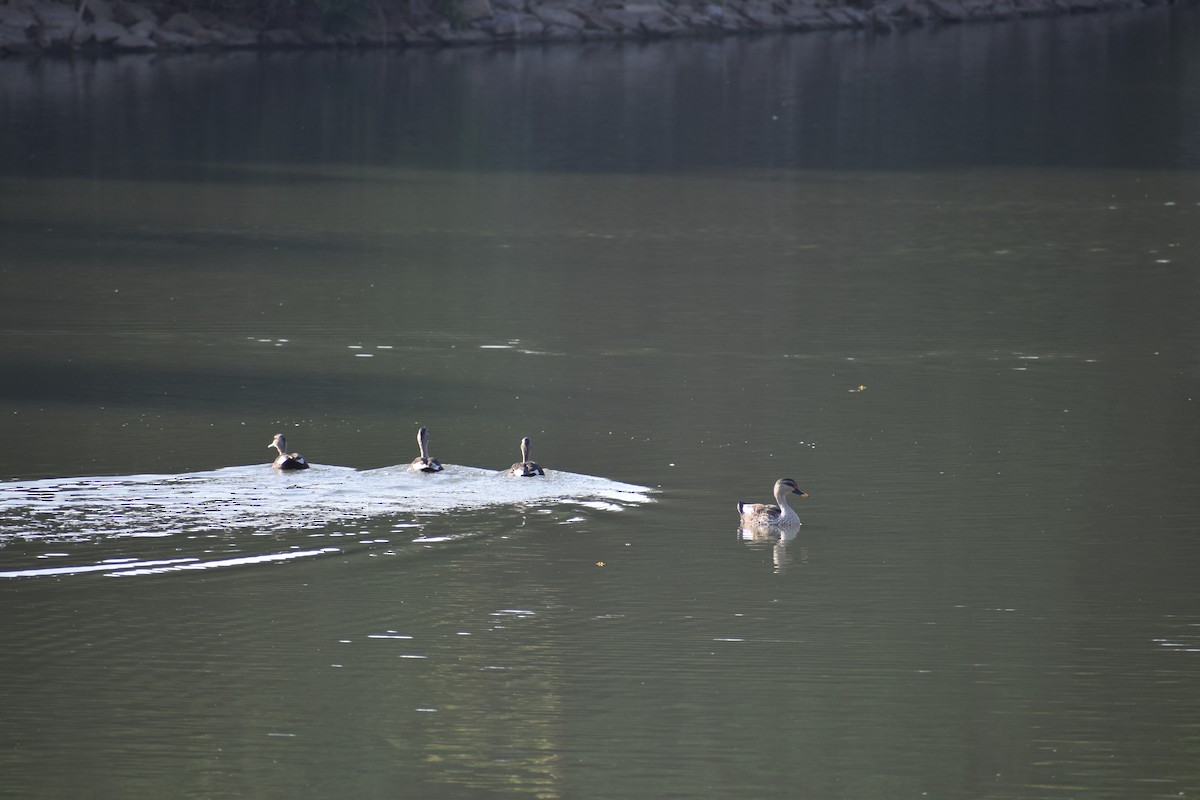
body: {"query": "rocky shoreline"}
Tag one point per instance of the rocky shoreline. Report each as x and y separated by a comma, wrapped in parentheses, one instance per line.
(34, 27)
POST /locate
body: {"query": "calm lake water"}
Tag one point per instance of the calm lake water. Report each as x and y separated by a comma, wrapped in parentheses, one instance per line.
(948, 280)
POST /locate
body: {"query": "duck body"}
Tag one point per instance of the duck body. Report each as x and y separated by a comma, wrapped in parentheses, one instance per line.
(424, 462)
(766, 515)
(286, 460)
(525, 468)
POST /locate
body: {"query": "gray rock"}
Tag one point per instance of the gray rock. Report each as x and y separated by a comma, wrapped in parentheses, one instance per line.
(949, 10)
(281, 37)
(130, 13)
(661, 24)
(593, 35)
(642, 8)
(475, 10)
(134, 42)
(806, 18)
(596, 20)
(97, 10)
(206, 18)
(182, 22)
(145, 28)
(1002, 10)
(762, 14)
(236, 36)
(16, 17)
(311, 33)
(643, 19)
(915, 11)
(106, 31)
(170, 40)
(457, 36)
(560, 33)
(1033, 7)
(15, 40)
(55, 15)
(881, 20)
(414, 35)
(516, 25)
(55, 38)
(555, 15)
(207, 37)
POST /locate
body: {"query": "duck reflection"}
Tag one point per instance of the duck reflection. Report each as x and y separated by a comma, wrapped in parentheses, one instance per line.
(784, 552)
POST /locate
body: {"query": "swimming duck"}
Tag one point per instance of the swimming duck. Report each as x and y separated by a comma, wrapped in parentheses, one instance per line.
(765, 514)
(423, 463)
(286, 460)
(525, 468)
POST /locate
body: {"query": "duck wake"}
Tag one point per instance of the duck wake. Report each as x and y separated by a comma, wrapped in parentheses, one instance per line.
(261, 502)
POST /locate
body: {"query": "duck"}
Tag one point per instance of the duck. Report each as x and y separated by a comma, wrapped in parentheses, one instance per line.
(525, 468)
(286, 460)
(423, 462)
(758, 515)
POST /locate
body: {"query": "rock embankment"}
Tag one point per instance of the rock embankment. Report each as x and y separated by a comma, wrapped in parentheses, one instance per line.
(39, 26)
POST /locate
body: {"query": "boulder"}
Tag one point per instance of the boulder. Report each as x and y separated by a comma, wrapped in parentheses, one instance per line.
(206, 18)
(17, 17)
(413, 34)
(475, 10)
(281, 37)
(1002, 10)
(236, 36)
(948, 10)
(170, 40)
(643, 19)
(132, 41)
(129, 13)
(555, 15)
(806, 18)
(839, 17)
(15, 40)
(145, 28)
(182, 22)
(55, 15)
(207, 37)
(518, 26)
(457, 36)
(54, 38)
(559, 33)
(881, 20)
(661, 24)
(97, 10)
(596, 20)
(761, 14)
(311, 33)
(915, 11)
(105, 31)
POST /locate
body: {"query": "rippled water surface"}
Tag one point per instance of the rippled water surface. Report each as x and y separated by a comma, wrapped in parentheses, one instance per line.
(945, 279)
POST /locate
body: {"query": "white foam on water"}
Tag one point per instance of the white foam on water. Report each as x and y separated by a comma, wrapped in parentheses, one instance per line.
(261, 501)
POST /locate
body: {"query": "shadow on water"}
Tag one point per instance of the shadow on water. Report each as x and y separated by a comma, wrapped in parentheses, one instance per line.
(632, 106)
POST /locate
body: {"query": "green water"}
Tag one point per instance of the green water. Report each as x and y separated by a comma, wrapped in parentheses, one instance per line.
(947, 280)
